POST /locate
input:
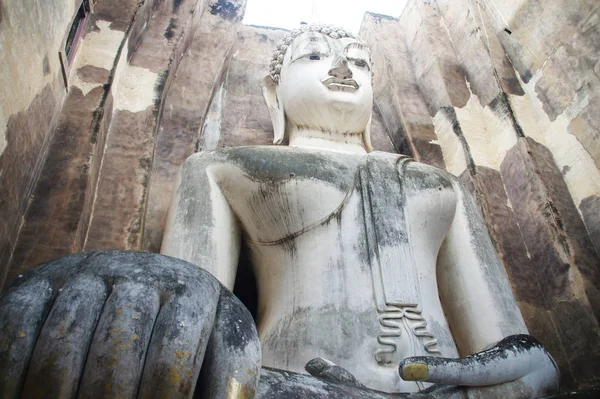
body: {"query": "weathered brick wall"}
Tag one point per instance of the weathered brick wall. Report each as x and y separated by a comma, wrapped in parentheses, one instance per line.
(99, 157)
(31, 36)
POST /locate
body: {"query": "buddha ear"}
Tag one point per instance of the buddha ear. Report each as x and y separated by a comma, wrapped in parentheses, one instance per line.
(269, 89)
(367, 135)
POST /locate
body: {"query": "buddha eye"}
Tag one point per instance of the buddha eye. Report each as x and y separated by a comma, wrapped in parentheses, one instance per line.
(315, 57)
(361, 63)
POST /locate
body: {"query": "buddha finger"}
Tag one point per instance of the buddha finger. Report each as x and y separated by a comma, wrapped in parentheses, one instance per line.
(179, 340)
(22, 313)
(118, 350)
(60, 353)
(326, 369)
(512, 358)
(233, 358)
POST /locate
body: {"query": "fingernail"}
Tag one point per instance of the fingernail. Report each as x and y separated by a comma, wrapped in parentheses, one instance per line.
(415, 372)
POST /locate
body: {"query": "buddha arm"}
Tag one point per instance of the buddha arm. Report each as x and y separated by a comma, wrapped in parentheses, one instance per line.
(474, 289)
(201, 227)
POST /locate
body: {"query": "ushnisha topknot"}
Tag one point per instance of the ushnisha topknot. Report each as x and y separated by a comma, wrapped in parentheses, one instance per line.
(279, 52)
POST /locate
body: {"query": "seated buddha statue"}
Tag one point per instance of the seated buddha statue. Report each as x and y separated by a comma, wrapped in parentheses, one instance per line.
(374, 273)
(363, 258)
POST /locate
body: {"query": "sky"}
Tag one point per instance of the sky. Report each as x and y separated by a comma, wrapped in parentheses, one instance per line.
(288, 14)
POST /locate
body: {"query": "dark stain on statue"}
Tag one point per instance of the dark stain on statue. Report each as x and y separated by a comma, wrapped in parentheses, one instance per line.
(170, 31)
(226, 9)
(1, 11)
(238, 324)
(276, 164)
(422, 177)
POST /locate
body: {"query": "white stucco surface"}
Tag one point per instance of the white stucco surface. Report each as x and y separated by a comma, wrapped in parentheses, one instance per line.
(98, 49)
(452, 149)
(579, 170)
(136, 90)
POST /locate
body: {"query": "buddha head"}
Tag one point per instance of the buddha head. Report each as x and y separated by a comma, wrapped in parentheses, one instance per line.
(321, 81)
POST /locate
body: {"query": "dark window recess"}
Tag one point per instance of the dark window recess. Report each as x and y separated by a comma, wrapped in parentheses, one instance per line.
(76, 30)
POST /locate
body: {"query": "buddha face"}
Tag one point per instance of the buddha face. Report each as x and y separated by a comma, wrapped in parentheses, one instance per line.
(325, 84)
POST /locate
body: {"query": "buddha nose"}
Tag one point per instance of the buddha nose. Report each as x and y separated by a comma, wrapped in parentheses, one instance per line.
(339, 68)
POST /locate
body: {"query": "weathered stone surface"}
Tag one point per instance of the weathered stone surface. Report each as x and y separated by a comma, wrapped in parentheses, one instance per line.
(32, 92)
(590, 210)
(501, 367)
(441, 77)
(568, 84)
(233, 351)
(116, 356)
(56, 220)
(276, 384)
(380, 135)
(396, 92)
(528, 42)
(108, 323)
(55, 368)
(488, 188)
(244, 116)
(186, 106)
(586, 125)
(117, 215)
(562, 254)
(20, 161)
(51, 226)
(144, 78)
(570, 68)
(478, 50)
(22, 314)
(118, 14)
(340, 384)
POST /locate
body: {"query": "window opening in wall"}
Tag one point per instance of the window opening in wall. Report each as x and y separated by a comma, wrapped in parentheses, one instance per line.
(76, 30)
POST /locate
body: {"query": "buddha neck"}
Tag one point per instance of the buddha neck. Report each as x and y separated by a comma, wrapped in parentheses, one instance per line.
(319, 139)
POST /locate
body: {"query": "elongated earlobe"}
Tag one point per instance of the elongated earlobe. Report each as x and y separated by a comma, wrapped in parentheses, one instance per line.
(367, 135)
(269, 89)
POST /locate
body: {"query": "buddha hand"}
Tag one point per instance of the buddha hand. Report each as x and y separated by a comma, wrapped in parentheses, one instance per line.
(124, 324)
(517, 367)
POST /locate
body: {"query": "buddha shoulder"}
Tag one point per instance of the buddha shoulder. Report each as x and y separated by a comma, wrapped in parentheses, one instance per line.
(265, 185)
(413, 175)
(421, 177)
(276, 165)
